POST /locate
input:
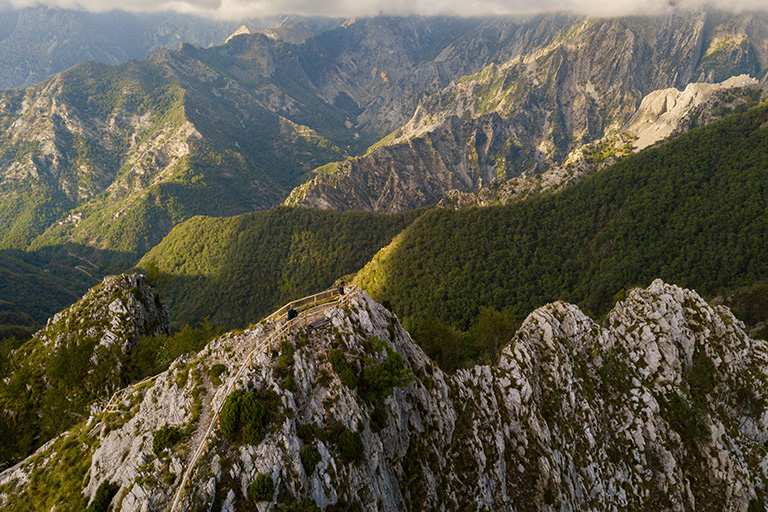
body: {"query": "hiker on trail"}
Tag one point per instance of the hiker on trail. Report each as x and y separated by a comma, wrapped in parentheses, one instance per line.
(341, 288)
(292, 313)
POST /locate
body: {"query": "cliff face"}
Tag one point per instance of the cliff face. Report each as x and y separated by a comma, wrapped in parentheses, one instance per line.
(659, 407)
(661, 114)
(119, 311)
(530, 112)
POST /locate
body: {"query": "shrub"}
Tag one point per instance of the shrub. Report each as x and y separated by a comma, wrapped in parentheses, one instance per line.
(244, 419)
(379, 380)
(261, 489)
(103, 497)
(378, 419)
(686, 419)
(216, 371)
(309, 458)
(166, 437)
(309, 432)
(340, 506)
(342, 368)
(289, 384)
(284, 365)
(351, 446)
(702, 377)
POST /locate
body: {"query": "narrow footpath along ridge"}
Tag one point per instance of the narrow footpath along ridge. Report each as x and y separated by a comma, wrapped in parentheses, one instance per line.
(660, 407)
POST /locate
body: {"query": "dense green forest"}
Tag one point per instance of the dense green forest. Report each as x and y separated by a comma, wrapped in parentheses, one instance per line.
(236, 270)
(692, 211)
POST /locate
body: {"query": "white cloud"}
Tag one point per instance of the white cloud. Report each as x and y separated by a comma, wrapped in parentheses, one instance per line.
(234, 9)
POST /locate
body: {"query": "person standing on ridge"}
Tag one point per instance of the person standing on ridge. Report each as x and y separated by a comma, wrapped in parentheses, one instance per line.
(341, 288)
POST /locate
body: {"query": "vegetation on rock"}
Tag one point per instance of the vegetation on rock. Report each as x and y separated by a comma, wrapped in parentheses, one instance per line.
(350, 446)
(166, 437)
(245, 417)
(103, 497)
(261, 489)
(309, 458)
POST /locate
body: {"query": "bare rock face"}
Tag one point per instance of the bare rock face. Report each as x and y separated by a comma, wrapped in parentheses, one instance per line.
(667, 111)
(661, 407)
(406, 176)
(661, 114)
(119, 311)
(242, 30)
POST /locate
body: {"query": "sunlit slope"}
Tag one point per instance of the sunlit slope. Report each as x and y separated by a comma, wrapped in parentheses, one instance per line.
(238, 269)
(693, 211)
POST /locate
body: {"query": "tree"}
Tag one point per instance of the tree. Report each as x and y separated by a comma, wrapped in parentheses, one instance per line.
(493, 330)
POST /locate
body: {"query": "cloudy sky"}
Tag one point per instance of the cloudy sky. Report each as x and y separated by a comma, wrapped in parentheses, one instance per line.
(246, 8)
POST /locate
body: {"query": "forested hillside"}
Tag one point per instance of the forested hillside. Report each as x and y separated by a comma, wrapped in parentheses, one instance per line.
(108, 159)
(693, 211)
(235, 270)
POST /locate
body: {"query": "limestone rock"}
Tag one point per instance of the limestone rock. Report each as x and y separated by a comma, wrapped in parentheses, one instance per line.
(118, 311)
(661, 406)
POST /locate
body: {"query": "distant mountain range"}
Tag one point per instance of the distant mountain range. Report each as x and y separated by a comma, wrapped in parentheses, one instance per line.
(463, 177)
(100, 162)
(543, 97)
(37, 43)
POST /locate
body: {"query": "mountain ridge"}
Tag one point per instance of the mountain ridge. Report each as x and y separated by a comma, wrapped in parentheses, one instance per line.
(530, 112)
(669, 369)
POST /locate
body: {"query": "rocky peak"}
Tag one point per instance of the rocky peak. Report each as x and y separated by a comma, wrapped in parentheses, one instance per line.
(242, 30)
(296, 33)
(120, 310)
(659, 407)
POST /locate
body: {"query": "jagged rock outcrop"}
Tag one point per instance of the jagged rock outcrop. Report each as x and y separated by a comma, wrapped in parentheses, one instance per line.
(242, 30)
(668, 111)
(662, 406)
(661, 114)
(118, 311)
(81, 356)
